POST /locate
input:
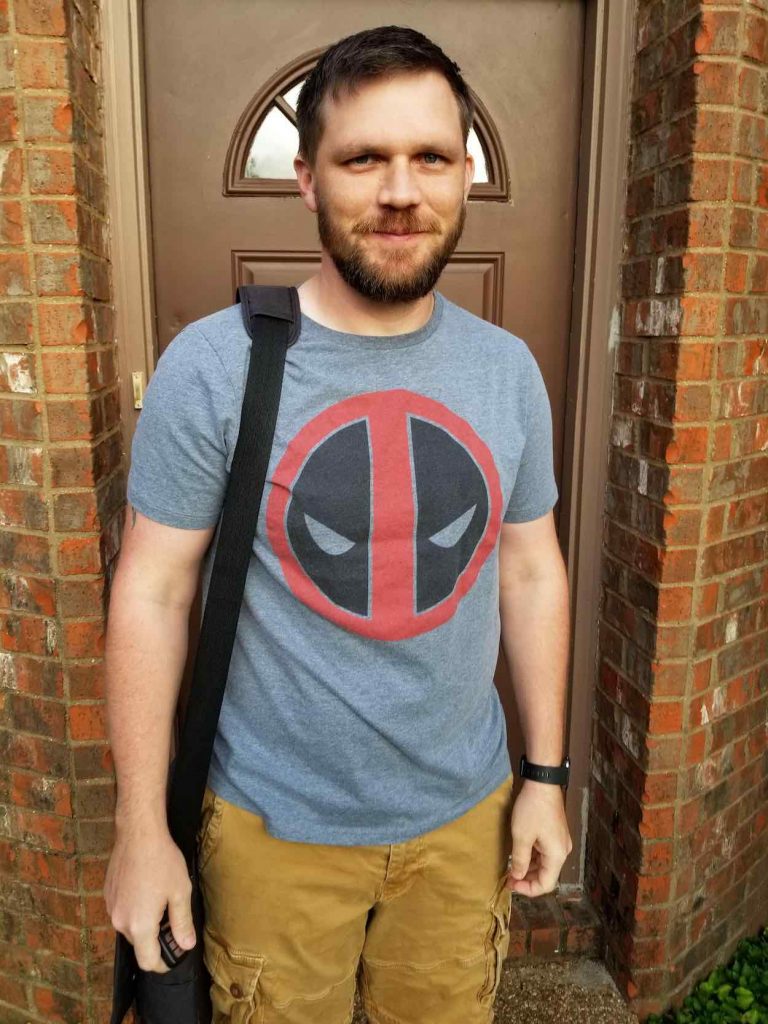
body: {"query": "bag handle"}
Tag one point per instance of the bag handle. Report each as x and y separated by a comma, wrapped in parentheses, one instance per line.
(272, 315)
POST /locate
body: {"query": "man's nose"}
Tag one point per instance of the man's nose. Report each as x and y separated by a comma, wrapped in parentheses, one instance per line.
(399, 186)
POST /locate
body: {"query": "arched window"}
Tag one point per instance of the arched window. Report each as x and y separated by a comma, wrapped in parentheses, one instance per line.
(260, 155)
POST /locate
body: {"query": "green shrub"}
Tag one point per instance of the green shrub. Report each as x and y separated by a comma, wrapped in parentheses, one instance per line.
(734, 994)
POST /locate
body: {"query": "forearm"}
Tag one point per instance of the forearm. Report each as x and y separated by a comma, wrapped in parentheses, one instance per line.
(535, 630)
(146, 648)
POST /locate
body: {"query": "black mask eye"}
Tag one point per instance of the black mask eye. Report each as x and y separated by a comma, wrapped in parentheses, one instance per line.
(454, 531)
(328, 540)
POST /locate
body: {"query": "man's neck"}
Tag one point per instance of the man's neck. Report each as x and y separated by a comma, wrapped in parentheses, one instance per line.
(328, 299)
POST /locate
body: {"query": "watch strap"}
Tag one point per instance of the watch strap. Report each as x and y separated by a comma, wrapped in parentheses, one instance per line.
(555, 774)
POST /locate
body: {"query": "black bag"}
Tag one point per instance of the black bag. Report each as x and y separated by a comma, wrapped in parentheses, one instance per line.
(181, 995)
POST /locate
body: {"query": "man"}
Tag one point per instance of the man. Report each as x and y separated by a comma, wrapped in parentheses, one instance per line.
(358, 817)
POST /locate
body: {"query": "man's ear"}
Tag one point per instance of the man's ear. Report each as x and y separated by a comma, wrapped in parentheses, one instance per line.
(306, 181)
(469, 174)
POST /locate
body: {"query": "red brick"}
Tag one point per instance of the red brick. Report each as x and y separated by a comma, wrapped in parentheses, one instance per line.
(40, 17)
(743, 181)
(58, 273)
(86, 681)
(9, 119)
(69, 372)
(11, 223)
(38, 677)
(79, 555)
(714, 131)
(41, 794)
(65, 323)
(715, 520)
(76, 511)
(34, 752)
(715, 82)
(707, 225)
(736, 272)
(55, 869)
(11, 170)
(675, 603)
(682, 526)
(14, 274)
(30, 634)
(756, 44)
(699, 315)
(45, 831)
(59, 939)
(762, 186)
(88, 722)
(689, 444)
(23, 509)
(24, 553)
(42, 63)
(51, 171)
(718, 33)
(83, 639)
(53, 221)
(47, 119)
(74, 419)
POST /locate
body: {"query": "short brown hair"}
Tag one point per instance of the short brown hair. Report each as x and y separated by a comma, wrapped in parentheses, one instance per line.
(373, 53)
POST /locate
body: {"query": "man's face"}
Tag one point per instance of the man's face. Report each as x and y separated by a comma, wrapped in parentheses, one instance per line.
(390, 184)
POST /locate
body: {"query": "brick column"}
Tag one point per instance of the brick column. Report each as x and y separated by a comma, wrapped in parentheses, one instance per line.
(677, 850)
(61, 492)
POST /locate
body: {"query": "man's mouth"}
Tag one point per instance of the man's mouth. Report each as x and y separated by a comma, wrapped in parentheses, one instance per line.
(397, 234)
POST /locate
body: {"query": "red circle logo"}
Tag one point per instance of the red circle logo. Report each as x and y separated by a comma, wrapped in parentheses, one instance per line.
(382, 511)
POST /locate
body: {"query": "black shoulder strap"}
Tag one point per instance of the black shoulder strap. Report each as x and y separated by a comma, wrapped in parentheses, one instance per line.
(273, 320)
(259, 300)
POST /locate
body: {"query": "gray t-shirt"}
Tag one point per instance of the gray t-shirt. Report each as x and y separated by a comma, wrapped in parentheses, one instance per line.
(360, 706)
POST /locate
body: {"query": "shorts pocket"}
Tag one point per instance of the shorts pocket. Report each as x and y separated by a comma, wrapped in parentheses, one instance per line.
(236, 996)
(209, 828)
(496, 942)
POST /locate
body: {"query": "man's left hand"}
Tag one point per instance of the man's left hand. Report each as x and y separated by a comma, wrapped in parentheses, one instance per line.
(540, 839)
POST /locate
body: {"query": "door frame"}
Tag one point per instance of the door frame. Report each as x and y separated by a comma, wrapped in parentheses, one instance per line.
(594, 327)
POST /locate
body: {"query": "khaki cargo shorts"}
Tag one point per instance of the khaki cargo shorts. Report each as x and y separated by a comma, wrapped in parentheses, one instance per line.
(290, 926)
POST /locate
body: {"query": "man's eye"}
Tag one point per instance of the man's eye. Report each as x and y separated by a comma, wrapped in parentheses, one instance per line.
(355, 159)
(435, 155)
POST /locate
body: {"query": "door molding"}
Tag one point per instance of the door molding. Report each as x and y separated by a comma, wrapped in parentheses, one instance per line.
(594, 331)
(128, 201)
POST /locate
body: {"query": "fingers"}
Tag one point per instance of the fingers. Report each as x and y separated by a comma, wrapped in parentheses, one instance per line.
(535, 883)
(147, 949)
(540, 877)
(520, 858)
(180, 918)
(530, 888)
(146, 943)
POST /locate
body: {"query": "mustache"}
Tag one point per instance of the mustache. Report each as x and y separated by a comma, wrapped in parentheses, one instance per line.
(404, 227)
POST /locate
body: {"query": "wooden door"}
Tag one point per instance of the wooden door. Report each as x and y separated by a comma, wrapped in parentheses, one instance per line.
(221, 80)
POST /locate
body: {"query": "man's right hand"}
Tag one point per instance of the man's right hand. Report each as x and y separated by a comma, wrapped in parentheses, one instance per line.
(147, 872)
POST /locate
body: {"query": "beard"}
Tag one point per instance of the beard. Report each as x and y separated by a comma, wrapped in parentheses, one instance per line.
(399, 275)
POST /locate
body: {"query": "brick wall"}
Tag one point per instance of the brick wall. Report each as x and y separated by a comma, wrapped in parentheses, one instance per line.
(61, 490)
(677, 851)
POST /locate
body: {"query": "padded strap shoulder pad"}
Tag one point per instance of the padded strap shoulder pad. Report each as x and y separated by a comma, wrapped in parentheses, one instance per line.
(277, 301)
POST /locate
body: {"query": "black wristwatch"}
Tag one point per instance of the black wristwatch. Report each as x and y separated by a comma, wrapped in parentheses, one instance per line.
(557, 774)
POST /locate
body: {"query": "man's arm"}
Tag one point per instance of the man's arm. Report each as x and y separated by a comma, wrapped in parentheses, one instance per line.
(535, 623)
(535, 627)
(146, 647)
(152, 592)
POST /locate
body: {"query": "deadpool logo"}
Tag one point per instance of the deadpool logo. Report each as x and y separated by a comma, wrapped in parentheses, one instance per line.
(382, 511)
